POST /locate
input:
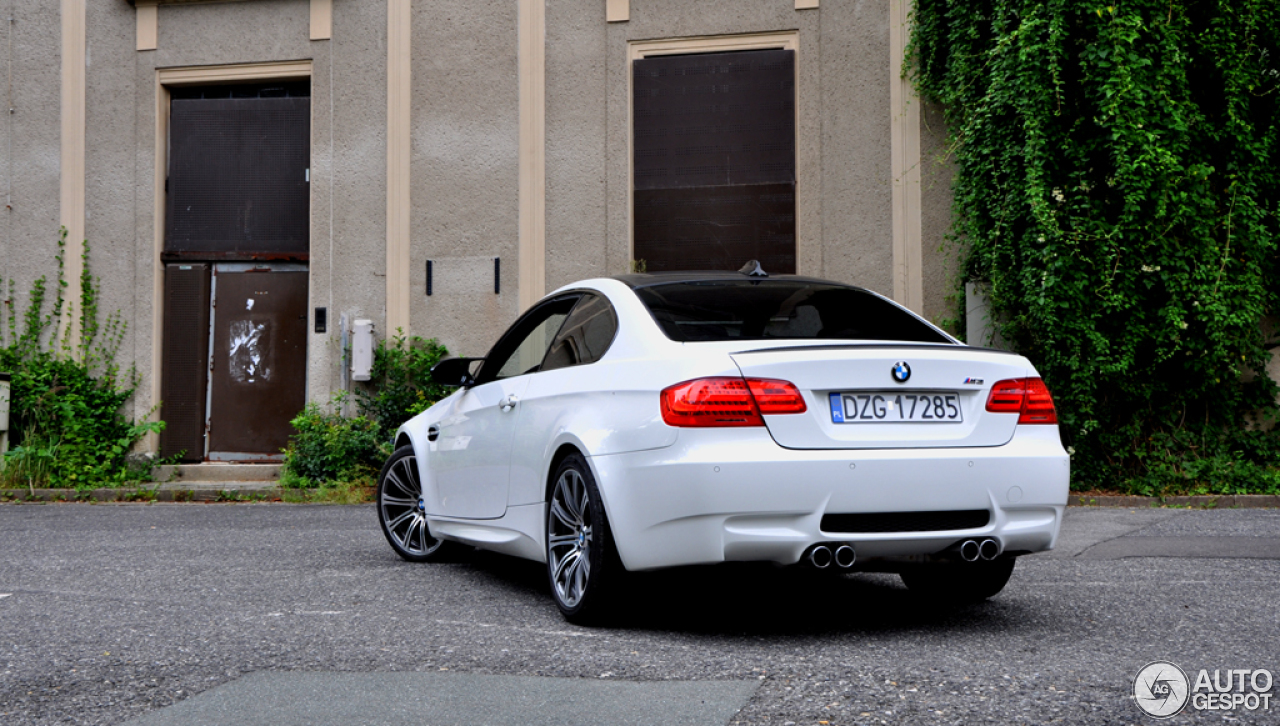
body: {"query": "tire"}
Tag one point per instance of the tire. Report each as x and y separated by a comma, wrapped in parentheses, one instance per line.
(959, 582)
(401, 510)
(583, 567)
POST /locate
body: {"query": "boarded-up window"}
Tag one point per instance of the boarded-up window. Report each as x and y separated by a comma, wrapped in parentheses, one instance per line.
(239, 161)
(714, 167)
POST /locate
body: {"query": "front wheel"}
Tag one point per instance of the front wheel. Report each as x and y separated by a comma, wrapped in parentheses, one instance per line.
(959, 582)
(582, 563)
(402, 511)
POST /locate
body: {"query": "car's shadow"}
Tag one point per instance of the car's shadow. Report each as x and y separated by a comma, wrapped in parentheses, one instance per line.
(760, 599)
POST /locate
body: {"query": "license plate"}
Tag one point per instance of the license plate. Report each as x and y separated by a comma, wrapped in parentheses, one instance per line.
(896, 407)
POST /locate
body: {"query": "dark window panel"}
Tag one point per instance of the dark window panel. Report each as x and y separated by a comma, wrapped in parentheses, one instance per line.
(238, 177)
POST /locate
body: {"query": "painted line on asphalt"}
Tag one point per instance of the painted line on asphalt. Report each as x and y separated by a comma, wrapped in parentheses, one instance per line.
(299, 698)
(5, 594)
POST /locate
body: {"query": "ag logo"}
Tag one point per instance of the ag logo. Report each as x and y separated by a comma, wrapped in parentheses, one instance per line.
(1161, 689)
(901, 371)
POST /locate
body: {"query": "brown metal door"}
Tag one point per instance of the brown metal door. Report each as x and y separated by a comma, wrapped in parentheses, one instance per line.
(183, 378)
(257, 380)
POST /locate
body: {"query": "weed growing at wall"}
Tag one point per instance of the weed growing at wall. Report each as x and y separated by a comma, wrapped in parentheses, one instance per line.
(330, 449)
(400, 385)
(1117, 184)
(67, 390)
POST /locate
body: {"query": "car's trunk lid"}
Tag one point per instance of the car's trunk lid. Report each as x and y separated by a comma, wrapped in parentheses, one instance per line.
(855, 402)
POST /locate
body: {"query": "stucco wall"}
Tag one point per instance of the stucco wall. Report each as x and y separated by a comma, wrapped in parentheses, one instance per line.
(349, 169)
(465, 170)
(465, 121)
(857, 219)
(29, 153)
(111, 178)
(578, 142)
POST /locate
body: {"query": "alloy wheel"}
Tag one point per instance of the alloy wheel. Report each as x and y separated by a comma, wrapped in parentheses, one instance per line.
(403, 509)
(569, 538)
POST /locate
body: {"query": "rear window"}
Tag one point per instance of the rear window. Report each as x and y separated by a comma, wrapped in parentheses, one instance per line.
(778, 309)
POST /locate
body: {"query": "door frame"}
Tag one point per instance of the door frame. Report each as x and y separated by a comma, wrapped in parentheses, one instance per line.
(167, 78)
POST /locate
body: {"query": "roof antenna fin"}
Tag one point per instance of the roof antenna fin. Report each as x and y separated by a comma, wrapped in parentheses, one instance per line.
(753, 269)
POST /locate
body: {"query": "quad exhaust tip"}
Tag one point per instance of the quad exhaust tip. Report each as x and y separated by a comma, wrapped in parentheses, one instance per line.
(989, 549)
(820, 557)
(971, 550)
(824, 555)
(845, 556)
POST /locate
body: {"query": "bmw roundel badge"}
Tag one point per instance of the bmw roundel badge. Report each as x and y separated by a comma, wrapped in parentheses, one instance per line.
(901, 371)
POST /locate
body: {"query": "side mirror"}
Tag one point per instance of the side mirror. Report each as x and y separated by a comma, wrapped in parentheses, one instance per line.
(454, 372)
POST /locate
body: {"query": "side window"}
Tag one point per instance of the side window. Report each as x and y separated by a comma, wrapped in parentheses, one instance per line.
(522, 349)
(586, 334)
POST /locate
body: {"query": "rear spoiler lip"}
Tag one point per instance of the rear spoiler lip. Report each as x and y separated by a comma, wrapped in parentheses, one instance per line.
(878, 346)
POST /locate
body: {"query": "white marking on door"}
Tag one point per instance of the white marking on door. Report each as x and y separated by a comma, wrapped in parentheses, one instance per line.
(248, 350)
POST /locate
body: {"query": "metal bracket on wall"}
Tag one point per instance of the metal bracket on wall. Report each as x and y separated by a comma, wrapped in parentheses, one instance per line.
(429, 276)
(497, 276)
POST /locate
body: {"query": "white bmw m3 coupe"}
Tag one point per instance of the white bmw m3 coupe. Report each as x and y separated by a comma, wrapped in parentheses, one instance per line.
(654, 420)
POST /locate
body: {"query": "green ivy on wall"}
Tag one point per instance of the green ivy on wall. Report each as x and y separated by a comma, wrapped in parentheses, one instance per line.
(1117, 180)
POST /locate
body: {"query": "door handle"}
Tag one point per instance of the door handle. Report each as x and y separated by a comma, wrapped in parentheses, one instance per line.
(509, 403)
(433, 432)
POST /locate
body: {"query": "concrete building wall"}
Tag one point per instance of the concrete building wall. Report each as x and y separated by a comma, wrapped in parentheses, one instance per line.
(348, 179)
(578, 142)
(467, 68)
(30, 149)
(111, 178)
(857, 222)
(465, 146)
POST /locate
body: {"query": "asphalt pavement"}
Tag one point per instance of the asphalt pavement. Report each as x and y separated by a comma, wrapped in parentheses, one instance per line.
(277, 614)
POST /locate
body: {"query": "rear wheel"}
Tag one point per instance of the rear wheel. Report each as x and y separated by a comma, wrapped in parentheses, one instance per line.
(959, 582)
(582, 564)
(402, 510)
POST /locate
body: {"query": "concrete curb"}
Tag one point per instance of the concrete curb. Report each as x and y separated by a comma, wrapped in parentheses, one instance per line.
(1207, 501)
(169, 492)
(216, 472)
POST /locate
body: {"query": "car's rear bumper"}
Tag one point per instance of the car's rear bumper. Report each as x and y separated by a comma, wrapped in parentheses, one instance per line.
(734, 494)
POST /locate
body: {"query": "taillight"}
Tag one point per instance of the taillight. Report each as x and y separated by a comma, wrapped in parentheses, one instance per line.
(1038, 404)
(1006, 396)
(774, 396)
(728, 401)
(1027, 397)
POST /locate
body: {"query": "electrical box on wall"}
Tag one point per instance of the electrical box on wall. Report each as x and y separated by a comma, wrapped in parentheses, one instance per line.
(4, 413)
(362, 350)
(4, 401)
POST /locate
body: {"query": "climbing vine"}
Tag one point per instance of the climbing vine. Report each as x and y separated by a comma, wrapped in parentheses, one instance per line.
(1117, 181)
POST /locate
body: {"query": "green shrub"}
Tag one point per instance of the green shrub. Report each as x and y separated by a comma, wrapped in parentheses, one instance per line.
(1116, 182)
(66, 394)
(400, 386)
(329, 447)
